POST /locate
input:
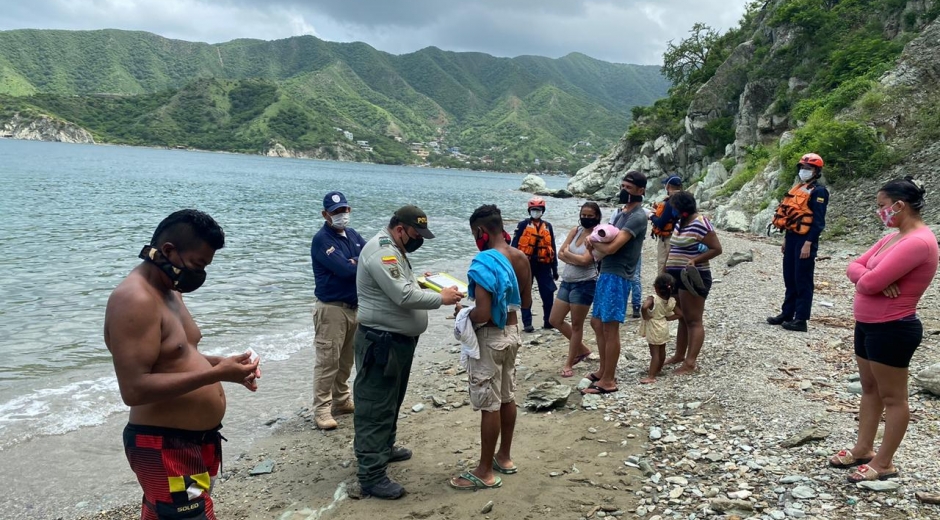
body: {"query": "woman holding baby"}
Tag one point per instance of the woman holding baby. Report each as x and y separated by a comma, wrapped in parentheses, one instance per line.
(578, 279)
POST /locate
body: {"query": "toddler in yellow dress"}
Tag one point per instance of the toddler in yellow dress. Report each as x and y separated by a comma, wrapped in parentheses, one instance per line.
(658, 311)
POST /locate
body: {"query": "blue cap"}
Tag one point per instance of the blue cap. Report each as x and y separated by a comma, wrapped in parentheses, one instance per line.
(673, 180)
(333, 201)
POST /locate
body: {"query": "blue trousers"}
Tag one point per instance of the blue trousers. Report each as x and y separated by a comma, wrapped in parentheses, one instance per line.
(797, 277)
(542, 275)
(636, 286)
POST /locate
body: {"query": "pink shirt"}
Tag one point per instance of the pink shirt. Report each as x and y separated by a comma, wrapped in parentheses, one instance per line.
(911, 263)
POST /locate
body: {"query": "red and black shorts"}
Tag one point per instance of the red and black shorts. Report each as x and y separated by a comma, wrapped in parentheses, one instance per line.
(176, 468)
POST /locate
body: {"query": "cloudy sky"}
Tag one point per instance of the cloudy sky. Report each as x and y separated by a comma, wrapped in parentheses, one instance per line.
(626, 31)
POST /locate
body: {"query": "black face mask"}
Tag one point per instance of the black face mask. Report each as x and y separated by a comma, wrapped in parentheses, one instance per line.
(184, 279)
(413, 243)
(589, 222)
(628, 198)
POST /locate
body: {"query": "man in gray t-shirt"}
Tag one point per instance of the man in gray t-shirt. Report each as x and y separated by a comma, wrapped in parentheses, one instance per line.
(618, 264)
(623, 261)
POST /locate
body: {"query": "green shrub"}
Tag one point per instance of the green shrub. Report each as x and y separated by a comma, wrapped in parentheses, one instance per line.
(721, 133)
(755, 160)
(850, 149)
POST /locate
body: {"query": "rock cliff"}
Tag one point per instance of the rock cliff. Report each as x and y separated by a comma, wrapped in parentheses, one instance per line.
(748, 87)
(44, 128)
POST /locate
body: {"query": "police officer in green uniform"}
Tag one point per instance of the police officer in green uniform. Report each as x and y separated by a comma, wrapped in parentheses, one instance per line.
(393, 312)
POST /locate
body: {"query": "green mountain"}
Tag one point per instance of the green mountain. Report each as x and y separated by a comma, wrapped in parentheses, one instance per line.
(244, 95)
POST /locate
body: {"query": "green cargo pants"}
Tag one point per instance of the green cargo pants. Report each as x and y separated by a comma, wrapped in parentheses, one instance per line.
(383, 365)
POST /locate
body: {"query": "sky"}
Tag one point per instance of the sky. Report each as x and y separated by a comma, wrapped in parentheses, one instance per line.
(623, 31)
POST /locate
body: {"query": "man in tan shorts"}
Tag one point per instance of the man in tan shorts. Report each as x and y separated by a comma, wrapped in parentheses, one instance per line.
(334, 253)
(496, 276)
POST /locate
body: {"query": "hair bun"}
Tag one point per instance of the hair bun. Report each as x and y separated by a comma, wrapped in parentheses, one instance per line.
(917, 184)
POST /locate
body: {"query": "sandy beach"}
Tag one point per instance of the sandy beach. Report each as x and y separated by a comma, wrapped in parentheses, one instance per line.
(705, 445)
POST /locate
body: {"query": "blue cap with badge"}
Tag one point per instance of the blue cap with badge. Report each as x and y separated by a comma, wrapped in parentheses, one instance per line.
(333, 201)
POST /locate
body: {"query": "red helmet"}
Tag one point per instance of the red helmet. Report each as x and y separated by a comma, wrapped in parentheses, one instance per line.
(812, 159)
(537, 202)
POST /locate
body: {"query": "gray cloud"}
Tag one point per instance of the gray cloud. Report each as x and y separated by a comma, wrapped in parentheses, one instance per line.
(629, 31)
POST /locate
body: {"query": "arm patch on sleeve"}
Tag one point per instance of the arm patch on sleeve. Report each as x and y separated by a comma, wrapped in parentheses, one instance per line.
(821, 200)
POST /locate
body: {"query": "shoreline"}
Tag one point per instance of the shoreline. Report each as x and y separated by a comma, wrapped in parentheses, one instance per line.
(709, 443)
(227, 152)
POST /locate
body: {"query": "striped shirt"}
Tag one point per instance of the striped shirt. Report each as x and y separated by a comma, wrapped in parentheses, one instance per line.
(684, 245)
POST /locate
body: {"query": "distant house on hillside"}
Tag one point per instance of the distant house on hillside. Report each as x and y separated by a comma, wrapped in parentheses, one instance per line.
(454, 150)
(362, 143)
(422, 153)
(348, 135)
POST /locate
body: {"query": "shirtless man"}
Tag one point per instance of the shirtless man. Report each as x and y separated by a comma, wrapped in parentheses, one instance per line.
(172, 439)
(497, 274)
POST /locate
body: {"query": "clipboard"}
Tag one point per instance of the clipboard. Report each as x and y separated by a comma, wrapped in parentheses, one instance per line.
(438, 281)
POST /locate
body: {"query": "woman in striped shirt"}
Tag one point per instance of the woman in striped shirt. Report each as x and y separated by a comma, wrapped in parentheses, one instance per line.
(693, 245)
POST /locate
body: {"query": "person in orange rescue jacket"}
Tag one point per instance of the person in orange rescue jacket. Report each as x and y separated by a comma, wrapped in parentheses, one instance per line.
(802, 216)
(536, 238)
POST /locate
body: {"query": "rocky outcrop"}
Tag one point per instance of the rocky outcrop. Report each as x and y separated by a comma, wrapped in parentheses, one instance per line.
(44, 128)
(337, 153)
(532, 184)
(733, 91)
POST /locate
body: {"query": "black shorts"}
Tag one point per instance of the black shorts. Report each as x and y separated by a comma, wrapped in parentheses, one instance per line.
(892, 343)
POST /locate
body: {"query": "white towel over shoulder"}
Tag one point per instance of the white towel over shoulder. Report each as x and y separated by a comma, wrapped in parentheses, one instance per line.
(465, 333)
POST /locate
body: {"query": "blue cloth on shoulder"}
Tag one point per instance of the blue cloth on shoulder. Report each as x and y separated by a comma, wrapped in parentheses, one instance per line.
(492, 271)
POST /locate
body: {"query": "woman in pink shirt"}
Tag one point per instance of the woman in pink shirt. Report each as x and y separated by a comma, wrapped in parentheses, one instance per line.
(889, 280)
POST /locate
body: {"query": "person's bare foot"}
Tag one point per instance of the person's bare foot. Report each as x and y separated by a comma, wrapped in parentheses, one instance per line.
(567, 372)
(647, 380)
(673, 360)
(686, 370)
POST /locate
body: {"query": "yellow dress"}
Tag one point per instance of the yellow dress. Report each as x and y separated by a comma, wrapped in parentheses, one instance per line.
(656, 329)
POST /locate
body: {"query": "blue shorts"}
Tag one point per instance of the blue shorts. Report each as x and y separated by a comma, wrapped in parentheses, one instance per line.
(610, 303)
(577, 293)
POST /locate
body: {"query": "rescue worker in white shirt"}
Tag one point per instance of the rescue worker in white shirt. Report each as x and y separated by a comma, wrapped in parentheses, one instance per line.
(802, 216)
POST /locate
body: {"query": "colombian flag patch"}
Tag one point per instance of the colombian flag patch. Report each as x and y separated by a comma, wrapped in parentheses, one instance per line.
(389, 260)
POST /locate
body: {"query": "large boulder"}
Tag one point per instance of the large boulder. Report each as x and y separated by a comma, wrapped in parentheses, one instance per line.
(929, 379)
(547, 396)
(751, 120)
(533, 184)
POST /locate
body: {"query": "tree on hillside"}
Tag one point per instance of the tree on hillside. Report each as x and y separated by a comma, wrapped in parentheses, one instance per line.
(680, 62)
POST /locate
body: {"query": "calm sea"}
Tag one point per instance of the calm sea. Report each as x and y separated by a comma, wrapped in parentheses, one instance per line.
(73, 219)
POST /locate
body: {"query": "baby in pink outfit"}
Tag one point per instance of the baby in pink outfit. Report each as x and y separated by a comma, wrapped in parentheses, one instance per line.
(603, 233)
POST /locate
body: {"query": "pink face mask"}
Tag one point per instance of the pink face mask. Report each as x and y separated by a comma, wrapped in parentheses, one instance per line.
(887, 215)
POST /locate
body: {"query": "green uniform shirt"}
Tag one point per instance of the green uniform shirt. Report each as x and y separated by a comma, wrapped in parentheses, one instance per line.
(390, 298)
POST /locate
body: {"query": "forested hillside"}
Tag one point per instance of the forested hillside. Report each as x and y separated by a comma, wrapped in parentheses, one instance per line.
(303, 93)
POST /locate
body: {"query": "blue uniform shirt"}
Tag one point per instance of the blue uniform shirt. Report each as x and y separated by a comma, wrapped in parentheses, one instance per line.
(333, 272)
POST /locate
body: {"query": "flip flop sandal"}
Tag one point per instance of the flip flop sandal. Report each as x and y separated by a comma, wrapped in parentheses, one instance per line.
(844, 460)
(598, 390)
(692, 281)
(593, 378)
(580, 358)
(867, 473)
(504, 471)
(475, 482)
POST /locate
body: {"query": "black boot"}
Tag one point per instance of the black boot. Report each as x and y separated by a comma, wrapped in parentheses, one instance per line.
(636, 311)
(795, 325)
(399, 453)
(386, 489)
(778, 319)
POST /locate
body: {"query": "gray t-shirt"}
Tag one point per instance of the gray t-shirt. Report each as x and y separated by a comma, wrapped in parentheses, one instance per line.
(623, 261)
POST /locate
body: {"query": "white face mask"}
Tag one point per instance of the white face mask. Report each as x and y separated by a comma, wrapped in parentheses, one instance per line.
(806, 175)
(535, 213)
(339, 221)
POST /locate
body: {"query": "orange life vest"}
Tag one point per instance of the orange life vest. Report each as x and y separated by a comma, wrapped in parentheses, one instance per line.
(793, 213)
(536, 242)
(666, 230)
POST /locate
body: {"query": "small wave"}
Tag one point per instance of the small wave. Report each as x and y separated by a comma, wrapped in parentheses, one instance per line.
(88, 403)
